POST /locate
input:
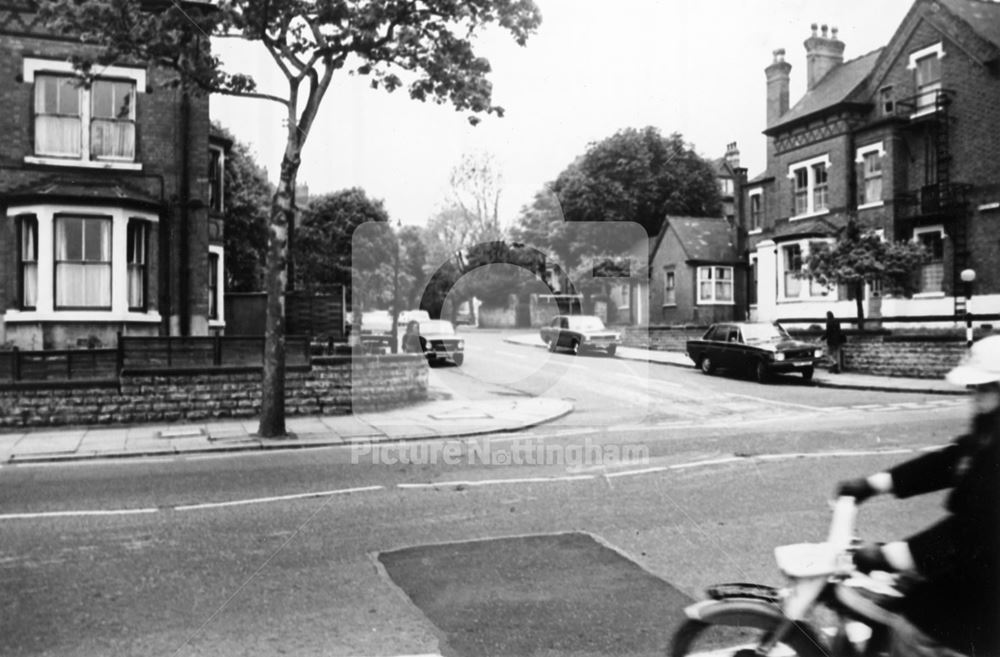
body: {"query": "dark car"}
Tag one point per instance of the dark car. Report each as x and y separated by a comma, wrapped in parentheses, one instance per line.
(760, 348)
(579, 333)
(440, 341)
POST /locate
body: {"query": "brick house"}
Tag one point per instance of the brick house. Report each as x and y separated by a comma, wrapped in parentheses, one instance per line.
(906, 140)
(111, 194)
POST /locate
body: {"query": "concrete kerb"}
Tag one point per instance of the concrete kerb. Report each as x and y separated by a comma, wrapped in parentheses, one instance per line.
(298, 442)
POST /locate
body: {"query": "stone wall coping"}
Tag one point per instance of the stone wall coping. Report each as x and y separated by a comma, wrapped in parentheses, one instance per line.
(62, 384)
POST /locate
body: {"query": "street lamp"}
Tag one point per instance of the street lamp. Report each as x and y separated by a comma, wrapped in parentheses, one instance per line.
(968, 276)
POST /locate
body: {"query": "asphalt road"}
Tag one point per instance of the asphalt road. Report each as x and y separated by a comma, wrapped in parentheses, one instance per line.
(692, 478)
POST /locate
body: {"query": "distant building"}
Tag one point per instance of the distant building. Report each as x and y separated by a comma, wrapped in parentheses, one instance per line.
(905, 140)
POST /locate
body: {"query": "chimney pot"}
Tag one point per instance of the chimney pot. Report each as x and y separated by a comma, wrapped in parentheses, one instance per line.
(834, 32)
(814, 28)
(825, 29)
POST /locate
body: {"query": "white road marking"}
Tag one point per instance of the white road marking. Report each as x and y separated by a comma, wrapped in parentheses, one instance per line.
(497, 482)
(70, 514)
(276, 498)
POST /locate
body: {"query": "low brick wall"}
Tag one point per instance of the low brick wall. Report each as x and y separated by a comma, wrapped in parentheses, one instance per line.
(927, 354)
(331, 386)
(661, 338)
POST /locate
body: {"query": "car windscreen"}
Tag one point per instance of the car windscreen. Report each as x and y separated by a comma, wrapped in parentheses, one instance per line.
(763, 333)
(586, 323)
(437, 327)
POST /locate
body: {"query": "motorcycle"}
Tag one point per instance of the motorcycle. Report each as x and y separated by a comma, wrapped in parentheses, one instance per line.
(854, 610)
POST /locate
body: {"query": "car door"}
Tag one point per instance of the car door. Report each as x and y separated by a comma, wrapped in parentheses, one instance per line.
(562, 332)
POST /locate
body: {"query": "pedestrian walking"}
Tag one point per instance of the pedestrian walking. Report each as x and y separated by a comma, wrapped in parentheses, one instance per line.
(413, 343)
(835, 338)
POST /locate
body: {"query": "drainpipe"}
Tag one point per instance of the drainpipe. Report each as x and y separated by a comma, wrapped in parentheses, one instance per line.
(183, 256)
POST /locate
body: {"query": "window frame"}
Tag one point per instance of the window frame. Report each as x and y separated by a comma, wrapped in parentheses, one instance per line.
(926, 94)
(33, 67)
(141, 226)
(26, 224)
(218, 291)
(806, 171)
(669, 287)
(877, 150)
(107, 263)
(216, 179)
(918, 233)
(756, 214)
(713, 299)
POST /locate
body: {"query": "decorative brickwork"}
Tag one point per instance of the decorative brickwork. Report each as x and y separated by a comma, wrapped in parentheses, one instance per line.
(332, 386)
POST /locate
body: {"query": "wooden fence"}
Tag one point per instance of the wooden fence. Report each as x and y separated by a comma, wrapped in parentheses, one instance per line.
(135, 353)
(321, 316)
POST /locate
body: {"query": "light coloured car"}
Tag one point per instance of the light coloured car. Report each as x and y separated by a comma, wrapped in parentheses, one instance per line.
(580, 333)
(440, 342)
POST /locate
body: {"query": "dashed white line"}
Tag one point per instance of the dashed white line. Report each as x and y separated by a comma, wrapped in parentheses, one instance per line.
(497, 482)
(68, 514)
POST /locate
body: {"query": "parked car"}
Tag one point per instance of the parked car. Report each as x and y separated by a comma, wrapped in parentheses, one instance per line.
(580, 333)
(440, 342)
(407, 316)
(760, 348)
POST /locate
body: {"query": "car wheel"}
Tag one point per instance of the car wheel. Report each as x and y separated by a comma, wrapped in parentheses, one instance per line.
(459, 359)
(612, 349)
(807, 374)
(574, 347)
(706, 365)
(761, 373)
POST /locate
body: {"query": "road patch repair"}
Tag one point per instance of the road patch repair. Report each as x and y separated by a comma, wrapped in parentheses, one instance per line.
(550, 594)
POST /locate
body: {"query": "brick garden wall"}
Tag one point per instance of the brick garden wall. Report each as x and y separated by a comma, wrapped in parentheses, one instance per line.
(332, 386)
(661, 338)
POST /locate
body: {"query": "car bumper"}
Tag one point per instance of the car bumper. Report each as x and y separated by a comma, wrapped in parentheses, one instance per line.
(791, 365)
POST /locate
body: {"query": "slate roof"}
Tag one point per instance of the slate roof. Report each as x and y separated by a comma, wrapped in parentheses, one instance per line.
(84, 191)
(705, 239)
(842, 84)
(981, 15)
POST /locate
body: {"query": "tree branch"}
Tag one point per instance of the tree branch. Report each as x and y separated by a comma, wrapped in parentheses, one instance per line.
(250, 94)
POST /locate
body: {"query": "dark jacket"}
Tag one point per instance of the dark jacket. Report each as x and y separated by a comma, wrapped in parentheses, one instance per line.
(833, 335)
(959, 603)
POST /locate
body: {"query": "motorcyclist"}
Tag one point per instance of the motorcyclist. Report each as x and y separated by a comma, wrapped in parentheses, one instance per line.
(953, 608)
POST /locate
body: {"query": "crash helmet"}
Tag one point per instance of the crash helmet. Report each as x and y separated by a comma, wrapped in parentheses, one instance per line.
(980, 366)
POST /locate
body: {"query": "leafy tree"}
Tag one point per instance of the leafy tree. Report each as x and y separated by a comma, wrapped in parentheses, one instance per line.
(322, 248)
(247, 198)
(864, 257)
(641, 176)
(426, 47)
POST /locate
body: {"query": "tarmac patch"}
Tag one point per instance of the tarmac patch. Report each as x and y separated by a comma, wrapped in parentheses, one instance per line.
(553, 595)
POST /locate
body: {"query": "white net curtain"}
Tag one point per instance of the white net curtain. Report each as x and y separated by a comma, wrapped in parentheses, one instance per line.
(83, 262)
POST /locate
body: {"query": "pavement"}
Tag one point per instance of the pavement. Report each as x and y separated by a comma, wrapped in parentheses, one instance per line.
(449, 418)
(821, 378)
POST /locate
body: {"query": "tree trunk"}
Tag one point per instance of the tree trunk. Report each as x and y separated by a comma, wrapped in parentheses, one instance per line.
(859, 289)
(272, 406)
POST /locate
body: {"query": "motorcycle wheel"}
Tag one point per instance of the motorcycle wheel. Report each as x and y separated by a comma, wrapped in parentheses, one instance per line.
(738, 635)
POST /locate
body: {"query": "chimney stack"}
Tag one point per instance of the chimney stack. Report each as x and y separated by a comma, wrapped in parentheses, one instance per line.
(824, 51)
(733, 155)
(777, 86)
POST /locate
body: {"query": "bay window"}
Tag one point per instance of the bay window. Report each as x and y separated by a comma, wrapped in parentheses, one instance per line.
(795, 282)
(83, 262)
(715, 285)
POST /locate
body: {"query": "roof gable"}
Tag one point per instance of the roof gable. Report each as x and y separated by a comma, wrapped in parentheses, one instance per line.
(707, 239)
(972, 25)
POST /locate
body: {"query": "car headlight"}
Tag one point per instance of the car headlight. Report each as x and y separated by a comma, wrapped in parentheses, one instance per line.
(779, 357)
(818, 353)
(461, 344)
(586, 338)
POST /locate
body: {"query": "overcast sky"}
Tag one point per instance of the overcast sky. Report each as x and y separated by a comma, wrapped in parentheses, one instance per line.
(594, 67)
